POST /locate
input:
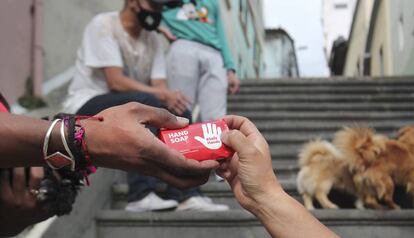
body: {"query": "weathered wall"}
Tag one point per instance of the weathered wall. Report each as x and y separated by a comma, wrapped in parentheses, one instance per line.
(279, 56)
(64, 25)
(402, 27)
(15, 47)
(246, 40)
(381, 51)
(336, 21)
(357, 41)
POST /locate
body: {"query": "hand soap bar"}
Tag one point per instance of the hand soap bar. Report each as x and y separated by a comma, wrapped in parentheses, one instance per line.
(199, 141)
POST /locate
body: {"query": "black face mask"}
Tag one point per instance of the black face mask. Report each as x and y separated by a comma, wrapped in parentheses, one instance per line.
(150, 21)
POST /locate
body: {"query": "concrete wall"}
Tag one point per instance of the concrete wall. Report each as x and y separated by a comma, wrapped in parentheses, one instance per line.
(246, 40)
(66, 20)
(381, 51)
(358, 38)
(64, 25)
(15, 47)
(392, 35)
(336, 20)
(279, 56)
(402, 41)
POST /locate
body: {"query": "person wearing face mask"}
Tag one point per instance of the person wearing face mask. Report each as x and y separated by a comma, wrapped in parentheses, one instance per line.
(121, 60)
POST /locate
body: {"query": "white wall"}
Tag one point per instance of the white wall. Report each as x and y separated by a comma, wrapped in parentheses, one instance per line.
(357, 41)
(336, 20)
(402, 33)
(15, 47)
(64, 24)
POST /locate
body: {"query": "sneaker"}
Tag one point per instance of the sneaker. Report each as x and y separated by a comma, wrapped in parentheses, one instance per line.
(151, 203)
(200, 203)
(219, 179)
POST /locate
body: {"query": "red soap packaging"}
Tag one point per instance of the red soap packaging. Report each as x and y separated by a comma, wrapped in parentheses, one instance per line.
(199, 141)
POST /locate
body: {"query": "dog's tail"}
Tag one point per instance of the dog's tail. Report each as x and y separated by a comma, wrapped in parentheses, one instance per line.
(317, 150)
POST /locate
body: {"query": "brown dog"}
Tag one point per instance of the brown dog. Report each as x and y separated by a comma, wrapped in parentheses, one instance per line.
(376, 163)
(406, 137)
(322, 168)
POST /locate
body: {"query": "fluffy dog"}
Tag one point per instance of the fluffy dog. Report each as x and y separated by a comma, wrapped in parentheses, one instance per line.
(322, 168)
(376, 162)
(406, 137)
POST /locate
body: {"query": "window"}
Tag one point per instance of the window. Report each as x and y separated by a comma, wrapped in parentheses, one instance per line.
(228, 3)
(381, 59)
(341, 6)
(358, 69)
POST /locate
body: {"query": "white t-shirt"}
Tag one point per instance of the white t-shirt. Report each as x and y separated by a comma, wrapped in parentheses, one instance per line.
(107, 44)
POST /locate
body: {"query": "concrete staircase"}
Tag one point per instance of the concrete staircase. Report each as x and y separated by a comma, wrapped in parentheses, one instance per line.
(288, 113)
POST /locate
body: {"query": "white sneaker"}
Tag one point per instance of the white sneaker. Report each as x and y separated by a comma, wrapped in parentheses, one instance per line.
(219, 179)
(203, 204)
(151, 203)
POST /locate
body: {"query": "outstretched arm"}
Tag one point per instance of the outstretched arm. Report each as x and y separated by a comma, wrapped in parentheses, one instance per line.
(121, 141)
(257, 189)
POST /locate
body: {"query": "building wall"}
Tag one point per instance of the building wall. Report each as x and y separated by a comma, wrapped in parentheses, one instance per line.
(279, 56)
(392, 41)
(358, 38)
(381, 50)
(336, 20)
(64, 25)
(402, 28)
(66, 20)
(243, 20)
(15, 47)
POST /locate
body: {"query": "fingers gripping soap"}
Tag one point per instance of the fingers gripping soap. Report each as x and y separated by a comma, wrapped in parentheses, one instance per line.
(199, 141)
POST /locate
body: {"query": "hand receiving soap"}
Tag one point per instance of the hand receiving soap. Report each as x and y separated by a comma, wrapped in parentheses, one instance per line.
(199, 141)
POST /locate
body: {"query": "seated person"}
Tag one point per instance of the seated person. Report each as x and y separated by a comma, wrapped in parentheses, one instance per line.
(121, 60)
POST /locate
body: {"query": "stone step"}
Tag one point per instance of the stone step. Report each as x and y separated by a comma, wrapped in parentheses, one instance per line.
(219, 192)
(403, 81)
(326, 116)
(316, 126)
(235, 108)
(241, 224)
(266, 98)
(324, 134)
(331, 89)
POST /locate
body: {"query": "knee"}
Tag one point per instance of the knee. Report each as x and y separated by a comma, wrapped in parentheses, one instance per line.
(145, 98)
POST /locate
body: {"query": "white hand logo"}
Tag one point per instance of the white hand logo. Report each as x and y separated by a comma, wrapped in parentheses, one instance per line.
(212, 136)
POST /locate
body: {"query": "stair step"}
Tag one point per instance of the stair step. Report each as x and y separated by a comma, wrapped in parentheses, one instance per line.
(240, 224)
(219, 192)
(390, 81)
(306, 135)
(266, 98)
(234, 108)
(326, 126)
(288, 113)
(332, 89)
(327, 116)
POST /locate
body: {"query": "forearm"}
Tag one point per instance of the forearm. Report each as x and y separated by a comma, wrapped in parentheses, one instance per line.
(284, 217)
(125, 84)
(22, 140)
(159, 83)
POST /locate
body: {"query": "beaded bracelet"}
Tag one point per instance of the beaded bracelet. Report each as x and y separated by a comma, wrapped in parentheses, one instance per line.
(77, 144)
